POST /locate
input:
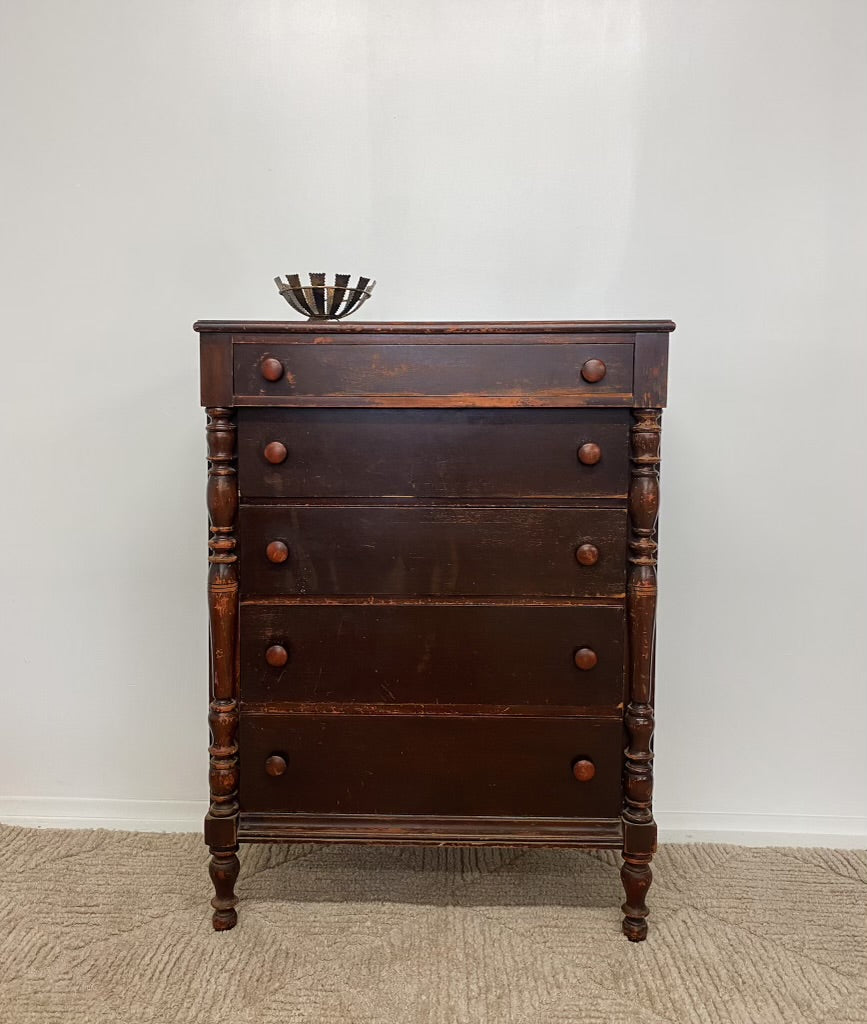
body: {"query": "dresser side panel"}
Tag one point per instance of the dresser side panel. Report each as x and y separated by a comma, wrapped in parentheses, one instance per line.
(650, 372)
(215, 369)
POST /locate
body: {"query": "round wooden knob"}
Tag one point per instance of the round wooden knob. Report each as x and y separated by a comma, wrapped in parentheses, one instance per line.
(275, 765)
(272, 369)
(593, 370)
(587, 554)
(277, 552)
(583, 770)
(277, 656)
(275, 452)
(589, 454)
(585, 659)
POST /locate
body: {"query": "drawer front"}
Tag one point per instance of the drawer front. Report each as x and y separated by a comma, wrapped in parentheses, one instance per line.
(433, 654)
(432, 550)
(433, 453)
(473, 374)
(395, 764)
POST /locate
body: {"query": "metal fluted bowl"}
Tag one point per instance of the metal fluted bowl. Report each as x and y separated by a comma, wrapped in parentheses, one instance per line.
(321, 301)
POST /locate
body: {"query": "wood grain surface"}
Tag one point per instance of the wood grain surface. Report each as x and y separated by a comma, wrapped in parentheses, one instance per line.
(411, 765)
(432, 453)
(432, 550)
(464, 373)
(437, 653)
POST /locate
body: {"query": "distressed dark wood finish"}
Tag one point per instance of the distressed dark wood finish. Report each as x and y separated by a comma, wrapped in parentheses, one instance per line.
(432, 550)
(433, 453)
(446, 539)
(462, 373)
(388, 764)
(221, 823)
(433, 653)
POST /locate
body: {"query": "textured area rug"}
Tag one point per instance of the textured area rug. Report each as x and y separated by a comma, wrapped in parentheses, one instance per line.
(115, 926)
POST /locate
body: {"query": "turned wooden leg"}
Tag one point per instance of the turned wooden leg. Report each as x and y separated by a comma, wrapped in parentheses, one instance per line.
(221, 821)
(636, 877)
(639, 828)
(224, 868)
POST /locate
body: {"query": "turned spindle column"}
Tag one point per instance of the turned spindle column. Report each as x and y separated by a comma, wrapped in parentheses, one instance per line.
(221, 823)
(639, 828)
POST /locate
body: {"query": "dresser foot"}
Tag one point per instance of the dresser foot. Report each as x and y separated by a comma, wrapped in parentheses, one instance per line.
(636, 877)
(223, 869)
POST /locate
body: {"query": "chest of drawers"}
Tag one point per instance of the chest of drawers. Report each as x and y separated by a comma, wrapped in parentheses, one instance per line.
(432, 586)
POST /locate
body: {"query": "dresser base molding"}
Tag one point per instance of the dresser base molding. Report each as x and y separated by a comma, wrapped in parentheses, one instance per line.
(578, 711)
(406, 830)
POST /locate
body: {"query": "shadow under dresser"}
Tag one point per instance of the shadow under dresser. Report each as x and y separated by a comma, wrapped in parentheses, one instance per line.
(432, 586)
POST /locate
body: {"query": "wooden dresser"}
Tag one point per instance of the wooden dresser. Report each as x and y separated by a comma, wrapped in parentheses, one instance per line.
(432, 586)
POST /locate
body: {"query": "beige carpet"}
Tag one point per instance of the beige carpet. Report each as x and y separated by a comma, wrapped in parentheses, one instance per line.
(115, 926)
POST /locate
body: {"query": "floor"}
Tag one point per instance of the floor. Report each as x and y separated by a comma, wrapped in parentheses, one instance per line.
(115, 926)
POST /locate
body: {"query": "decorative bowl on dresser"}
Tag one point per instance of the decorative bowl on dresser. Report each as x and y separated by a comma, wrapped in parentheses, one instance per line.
(432, 586)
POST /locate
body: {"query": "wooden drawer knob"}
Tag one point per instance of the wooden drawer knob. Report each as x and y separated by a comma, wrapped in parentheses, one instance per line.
(275, 452)
(272, 369)
(276, 765)
(587, 554)
(277, 656)
(593, 370)
(589, 454)
(585, 659)
(583, 770)
(277, 552)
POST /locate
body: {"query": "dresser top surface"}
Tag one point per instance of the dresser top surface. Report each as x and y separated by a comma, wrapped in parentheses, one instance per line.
(540, 327)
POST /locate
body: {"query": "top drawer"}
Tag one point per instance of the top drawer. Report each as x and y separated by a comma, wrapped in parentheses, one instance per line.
(328, 372)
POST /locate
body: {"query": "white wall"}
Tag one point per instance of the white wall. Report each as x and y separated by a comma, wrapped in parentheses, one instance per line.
(560, 159)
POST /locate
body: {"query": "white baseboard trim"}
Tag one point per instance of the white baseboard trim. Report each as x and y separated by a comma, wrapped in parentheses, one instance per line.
(762, 829)
(84, 812)
(674, 826)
